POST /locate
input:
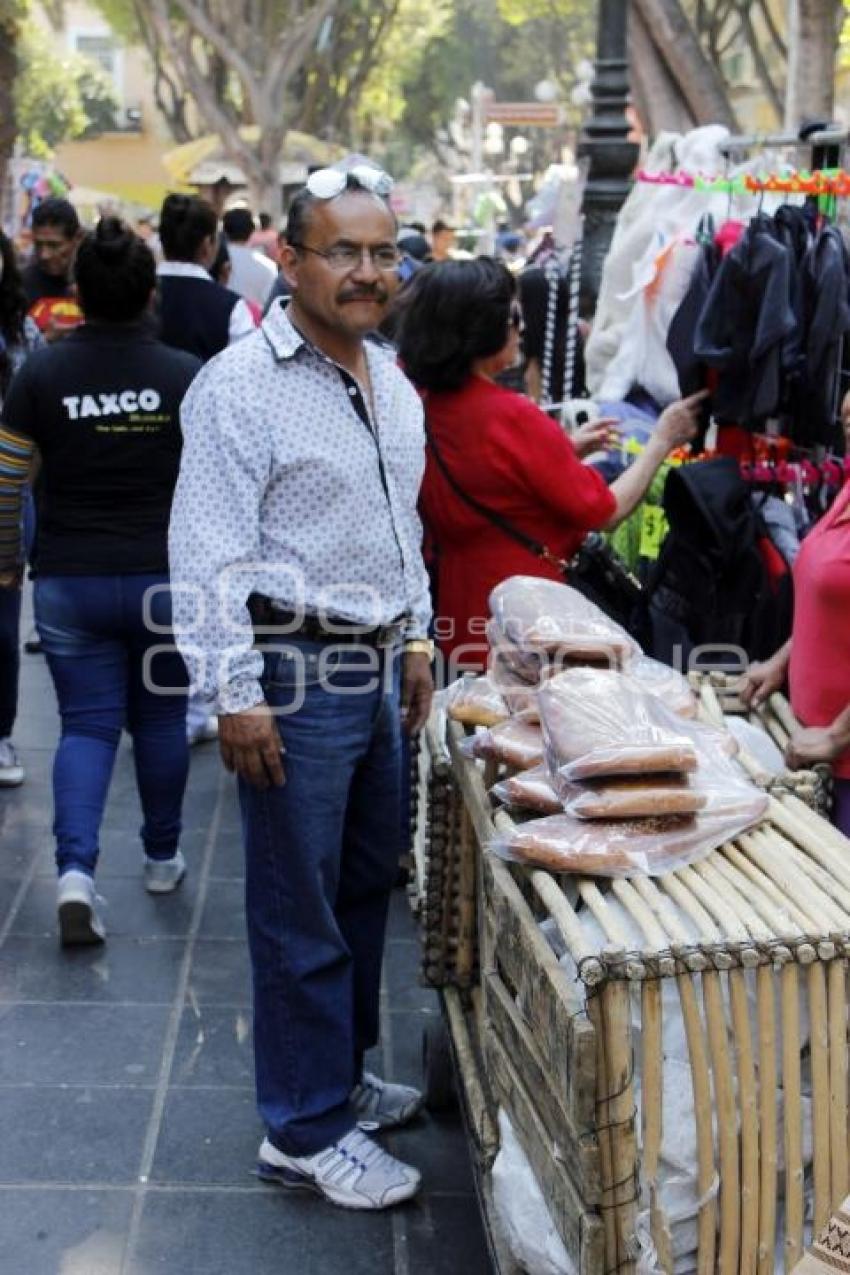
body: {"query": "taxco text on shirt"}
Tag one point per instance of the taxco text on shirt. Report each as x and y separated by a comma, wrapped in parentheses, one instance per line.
(123, 403)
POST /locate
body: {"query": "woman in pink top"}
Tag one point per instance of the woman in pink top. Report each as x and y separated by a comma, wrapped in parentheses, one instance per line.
(816, 659)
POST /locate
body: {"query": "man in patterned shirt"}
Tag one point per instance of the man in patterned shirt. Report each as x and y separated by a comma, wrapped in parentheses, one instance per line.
(303, 455)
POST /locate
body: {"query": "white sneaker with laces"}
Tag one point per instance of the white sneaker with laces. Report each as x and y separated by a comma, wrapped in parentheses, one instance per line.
(79, 922)
(380, 1105)
(353, 1172)
(11, 770)
(164, 875)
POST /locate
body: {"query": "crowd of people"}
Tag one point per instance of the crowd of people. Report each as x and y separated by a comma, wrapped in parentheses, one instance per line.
(218, 467)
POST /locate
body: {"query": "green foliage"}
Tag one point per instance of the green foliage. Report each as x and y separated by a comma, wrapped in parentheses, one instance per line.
(59, 96)
(845, 36)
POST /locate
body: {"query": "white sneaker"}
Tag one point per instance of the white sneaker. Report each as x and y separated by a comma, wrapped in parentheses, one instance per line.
(79, 922)
(11, 770)
(380, 1105)
(353, 1172)
(164, 875)
(202, 733)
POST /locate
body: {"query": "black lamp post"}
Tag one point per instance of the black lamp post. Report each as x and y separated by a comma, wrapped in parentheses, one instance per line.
(604, 142)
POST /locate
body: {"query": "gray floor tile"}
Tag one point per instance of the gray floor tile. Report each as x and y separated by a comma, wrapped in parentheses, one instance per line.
(438, 1148)
(128, 910)
(208, 1136)
(8, 893)
(57, 1231)
(126, 970)
(214, 1047)
(113, 1045)
(73, 1136)
(447, 1239)
(224, 912)
(220, 973)
(262, 1233)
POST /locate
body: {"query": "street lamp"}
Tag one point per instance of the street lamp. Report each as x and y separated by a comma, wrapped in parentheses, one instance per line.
(604, 141)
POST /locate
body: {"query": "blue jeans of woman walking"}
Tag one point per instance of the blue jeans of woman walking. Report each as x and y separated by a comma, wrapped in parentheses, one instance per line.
(114, 666)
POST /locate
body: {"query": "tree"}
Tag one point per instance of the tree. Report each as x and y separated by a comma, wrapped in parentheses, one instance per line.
(815, 25)
(680, 48)
(218, 70)
(58, 97)
(12, 14)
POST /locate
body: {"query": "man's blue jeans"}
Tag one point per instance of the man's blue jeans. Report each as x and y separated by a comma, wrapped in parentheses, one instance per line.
(100, 654)
(321, 860)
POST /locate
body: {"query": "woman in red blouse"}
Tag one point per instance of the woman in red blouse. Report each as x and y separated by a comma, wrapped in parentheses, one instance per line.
(815, 661)
(459, 328)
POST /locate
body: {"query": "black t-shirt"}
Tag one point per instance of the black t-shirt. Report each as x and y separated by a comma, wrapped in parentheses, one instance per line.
(103, 407)
(37, 283)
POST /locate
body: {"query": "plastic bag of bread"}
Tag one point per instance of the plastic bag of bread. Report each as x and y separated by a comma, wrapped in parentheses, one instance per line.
(516, 742)
(598, 722)
(665, 682)
(543, 615)
(632, 798)
(626, 847)
(519, 694)
(475, 701)
(529, 790)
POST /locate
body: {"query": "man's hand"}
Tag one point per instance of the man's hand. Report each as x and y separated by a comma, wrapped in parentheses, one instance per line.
(417, 690)
(810, 745)
(250, 745)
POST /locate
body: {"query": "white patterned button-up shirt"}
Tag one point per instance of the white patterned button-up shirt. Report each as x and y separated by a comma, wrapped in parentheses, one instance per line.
(285, 491)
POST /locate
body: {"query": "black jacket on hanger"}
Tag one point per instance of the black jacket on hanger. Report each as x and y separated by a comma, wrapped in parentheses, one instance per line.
(744, 324)
(826, 304)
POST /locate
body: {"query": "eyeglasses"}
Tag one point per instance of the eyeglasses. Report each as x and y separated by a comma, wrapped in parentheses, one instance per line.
(327, 183)
(348, 256)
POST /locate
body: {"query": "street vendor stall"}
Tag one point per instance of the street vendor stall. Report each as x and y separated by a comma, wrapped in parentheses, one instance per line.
(657, 1003)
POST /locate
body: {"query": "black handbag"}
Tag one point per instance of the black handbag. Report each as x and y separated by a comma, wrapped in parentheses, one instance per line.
(596, 571)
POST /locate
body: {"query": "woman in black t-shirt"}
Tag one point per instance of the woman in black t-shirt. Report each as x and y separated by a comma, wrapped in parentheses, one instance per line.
(102, 408)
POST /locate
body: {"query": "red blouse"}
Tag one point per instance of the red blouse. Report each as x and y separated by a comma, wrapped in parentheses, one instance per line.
(819, 672)
(511, 457)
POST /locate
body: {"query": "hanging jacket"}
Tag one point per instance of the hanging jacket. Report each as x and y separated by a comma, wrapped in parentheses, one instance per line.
(826, 305)
(744, 324)
(792, 227)
(710, 586)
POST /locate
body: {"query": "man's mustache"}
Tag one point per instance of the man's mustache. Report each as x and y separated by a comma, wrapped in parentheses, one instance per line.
(364, 294)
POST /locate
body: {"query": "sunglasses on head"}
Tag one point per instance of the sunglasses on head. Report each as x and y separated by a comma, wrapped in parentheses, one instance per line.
(327, 183)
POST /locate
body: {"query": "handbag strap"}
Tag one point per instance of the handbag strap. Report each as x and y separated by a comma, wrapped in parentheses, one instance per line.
(528, 542)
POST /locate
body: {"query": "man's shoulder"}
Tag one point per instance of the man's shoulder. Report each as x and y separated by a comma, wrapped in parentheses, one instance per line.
(237, 363)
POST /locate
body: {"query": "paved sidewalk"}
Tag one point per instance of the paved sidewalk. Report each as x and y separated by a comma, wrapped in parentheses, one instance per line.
(126, 1102)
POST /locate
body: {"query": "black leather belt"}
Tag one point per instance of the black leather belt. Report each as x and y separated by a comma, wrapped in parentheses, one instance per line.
(267, 618)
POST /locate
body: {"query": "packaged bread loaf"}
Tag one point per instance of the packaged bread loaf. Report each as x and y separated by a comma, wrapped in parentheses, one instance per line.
(598, 722)
(632, 798)
(627, 847)
(475, 701)
(665, 682)
(516, 742)
(543, 615)
(529, 790)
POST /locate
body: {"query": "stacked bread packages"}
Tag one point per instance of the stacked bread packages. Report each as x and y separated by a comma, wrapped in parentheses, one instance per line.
(605, 743)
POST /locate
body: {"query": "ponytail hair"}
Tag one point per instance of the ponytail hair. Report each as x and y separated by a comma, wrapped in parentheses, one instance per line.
(115, 272)
(185, 221)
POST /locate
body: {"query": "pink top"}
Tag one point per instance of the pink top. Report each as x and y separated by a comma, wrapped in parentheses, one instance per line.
(819, 673)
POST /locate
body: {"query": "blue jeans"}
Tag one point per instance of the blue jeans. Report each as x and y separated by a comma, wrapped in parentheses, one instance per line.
(95, 639)
(10, 658)
(321, 859)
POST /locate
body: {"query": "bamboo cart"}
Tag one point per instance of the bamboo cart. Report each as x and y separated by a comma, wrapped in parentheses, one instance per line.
(747, 950)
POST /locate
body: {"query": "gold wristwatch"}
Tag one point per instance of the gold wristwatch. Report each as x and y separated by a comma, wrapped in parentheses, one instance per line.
(419, 646)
